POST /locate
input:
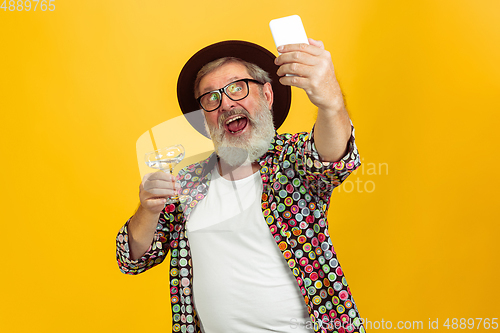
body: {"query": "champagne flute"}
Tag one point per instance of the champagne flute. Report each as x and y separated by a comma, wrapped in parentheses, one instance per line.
(165, 159)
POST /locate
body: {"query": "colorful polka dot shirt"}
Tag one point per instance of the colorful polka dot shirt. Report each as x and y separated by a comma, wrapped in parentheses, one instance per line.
(296, 194)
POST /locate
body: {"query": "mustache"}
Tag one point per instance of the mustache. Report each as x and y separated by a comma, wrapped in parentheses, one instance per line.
(237, 111)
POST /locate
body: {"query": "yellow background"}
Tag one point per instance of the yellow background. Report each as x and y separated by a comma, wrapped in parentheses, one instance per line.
(79, 86)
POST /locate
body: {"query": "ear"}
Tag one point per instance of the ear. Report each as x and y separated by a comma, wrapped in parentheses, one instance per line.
(267, 90)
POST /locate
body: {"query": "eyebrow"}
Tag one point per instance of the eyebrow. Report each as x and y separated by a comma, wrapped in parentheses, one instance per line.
(210, 88)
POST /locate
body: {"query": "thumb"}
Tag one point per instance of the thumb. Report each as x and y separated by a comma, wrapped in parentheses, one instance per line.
(156, 203)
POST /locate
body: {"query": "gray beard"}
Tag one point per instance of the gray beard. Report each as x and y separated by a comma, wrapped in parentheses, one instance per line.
(246, 148)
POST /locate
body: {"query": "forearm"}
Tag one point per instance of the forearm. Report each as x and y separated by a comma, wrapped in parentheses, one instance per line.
(141, 230)
(312, 70)
(332, 132)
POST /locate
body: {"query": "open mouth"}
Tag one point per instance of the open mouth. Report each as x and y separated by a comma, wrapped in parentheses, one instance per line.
(236, 124)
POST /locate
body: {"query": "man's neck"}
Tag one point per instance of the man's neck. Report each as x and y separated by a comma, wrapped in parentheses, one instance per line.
(230, 172)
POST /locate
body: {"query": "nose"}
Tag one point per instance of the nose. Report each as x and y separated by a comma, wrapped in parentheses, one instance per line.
(227, 103)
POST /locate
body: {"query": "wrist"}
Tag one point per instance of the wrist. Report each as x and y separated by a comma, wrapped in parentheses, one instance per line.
(145, 216)
(333, 109)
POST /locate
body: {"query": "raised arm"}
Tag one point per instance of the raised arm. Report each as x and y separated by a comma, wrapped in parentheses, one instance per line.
(312, 70)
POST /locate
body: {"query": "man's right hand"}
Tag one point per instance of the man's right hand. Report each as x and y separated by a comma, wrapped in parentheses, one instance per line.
(155, 189)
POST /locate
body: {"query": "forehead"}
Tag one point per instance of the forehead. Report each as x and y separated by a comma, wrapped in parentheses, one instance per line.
(223, 75)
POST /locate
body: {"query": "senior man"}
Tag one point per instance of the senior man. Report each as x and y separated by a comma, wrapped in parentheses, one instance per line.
(249, 242)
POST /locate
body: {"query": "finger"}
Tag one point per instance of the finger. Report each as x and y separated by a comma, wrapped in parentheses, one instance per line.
(171, 183)
(298, 57)
(159, 184)
(160, 175)
(317, 43)
(160, 181)
(302, 47)
(152, 184)
(155, 204)
(296, 81)
(159, 193)
(152, 177)
(294, 69)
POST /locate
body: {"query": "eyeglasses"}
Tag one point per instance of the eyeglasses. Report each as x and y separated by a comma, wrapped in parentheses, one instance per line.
(235, 91)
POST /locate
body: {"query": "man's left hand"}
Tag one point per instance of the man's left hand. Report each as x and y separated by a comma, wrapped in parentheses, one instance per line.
(313, 71)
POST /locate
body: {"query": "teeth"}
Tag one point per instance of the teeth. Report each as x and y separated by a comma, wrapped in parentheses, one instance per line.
(233, 119)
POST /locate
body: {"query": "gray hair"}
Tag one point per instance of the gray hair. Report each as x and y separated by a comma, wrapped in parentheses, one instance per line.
(253, 70)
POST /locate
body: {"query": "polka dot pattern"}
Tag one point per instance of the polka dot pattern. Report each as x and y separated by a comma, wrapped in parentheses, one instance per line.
(296, 195)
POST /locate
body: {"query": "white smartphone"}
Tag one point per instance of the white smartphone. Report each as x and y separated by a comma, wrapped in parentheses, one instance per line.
(288, 30)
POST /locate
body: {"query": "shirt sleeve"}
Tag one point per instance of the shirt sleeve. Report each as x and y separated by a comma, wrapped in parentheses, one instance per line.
(320, 177)
(154, 255)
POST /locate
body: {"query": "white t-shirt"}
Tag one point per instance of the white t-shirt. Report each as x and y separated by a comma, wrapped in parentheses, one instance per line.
(241, 281)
